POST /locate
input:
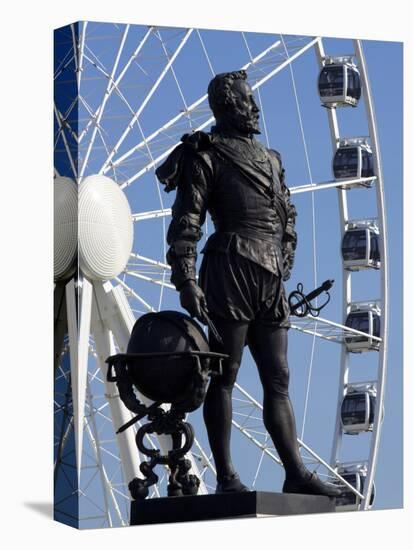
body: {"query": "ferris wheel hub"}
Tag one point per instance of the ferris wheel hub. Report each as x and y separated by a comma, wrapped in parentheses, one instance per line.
(65, 227)
(105, 228)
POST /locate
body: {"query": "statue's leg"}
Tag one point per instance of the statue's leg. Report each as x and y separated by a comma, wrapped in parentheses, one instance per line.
(218, 401)
(268, 345)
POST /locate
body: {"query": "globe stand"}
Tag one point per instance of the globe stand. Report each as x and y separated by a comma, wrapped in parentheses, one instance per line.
(180, 481)
(163, 422)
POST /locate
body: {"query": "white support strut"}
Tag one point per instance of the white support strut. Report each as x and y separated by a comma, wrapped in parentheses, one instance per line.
(79, 387)
(120, 415)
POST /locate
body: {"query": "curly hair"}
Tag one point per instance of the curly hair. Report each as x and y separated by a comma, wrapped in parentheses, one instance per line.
(220, 92)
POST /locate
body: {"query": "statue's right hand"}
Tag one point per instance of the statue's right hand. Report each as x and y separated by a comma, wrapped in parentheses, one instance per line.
(193, 300)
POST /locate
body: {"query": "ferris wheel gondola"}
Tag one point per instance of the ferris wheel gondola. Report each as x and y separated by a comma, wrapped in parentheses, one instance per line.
(363, 317)
(339, 83)
(353, 159)
(360, 246)
(356, 475)
(358, 408)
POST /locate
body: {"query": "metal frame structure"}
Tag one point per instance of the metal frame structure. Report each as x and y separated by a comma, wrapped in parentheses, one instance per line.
(102, 324)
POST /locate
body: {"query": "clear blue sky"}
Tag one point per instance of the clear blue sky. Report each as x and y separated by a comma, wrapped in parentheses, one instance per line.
(227, 51)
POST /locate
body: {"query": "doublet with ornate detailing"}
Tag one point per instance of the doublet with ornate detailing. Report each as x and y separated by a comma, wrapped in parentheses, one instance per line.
(241, 183)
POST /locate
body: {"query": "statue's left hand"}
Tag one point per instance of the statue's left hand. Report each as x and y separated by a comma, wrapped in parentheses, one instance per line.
(193, 300)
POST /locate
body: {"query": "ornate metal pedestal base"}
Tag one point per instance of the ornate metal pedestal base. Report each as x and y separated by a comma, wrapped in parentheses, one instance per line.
(180, 481)
(225, 506)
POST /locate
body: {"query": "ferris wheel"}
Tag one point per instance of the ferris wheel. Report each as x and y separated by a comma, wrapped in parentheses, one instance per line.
(124, 96)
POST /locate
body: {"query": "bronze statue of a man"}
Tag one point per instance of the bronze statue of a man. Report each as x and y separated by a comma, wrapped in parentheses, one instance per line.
(241, 184)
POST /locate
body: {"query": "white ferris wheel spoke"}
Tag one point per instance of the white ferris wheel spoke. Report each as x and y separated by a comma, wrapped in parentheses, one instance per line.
(64, 119)
(285, 63)
(152, 214)
(174, 75)
(97, 64)
(260, 462)
(328, 330)
(64, 64)
(104, 101)
(99, 130)
(198, 32)
(81, 54)
(145, 101)
(150, 279)
(204, 457)
(92, 432)
(130, 291)
(76, 50)
(160, 198)
(337, 184)
(115, 84)
(63, 134)
(150, 261)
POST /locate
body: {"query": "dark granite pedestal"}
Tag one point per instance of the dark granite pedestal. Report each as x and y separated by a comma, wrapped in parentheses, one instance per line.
(226, 506)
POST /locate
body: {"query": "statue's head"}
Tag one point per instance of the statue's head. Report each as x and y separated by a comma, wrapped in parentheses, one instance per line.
(232, 101)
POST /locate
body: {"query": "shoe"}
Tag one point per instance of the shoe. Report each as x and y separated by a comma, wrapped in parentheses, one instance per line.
(230, 484)
(312, 485)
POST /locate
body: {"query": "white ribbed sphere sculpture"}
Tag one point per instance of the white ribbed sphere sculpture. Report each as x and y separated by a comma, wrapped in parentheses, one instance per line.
(65, 227)
(105, 228)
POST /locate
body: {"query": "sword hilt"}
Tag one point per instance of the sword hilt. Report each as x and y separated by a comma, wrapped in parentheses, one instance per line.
(304, 301)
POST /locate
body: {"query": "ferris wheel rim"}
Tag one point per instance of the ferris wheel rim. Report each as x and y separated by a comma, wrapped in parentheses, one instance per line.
(342, 198)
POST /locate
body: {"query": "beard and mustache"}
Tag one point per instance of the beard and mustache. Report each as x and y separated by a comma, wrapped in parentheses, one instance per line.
(241, 120)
